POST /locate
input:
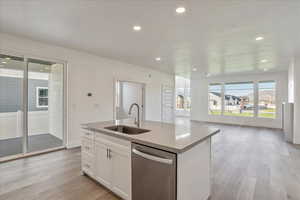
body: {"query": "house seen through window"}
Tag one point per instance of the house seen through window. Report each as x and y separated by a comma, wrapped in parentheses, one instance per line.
(238, 99)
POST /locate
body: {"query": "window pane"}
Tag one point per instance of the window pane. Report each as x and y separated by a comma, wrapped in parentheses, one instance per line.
(215, 99)
(43, 101)
(179, 102)
(267, 99)
(183, 96)
(43, 92)
(238, 99)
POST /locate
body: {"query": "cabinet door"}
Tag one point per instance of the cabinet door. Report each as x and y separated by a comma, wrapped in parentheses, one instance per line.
(102, 165)
(121, 173)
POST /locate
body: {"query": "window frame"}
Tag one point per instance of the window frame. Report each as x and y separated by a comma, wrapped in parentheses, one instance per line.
(255, 98)
(275, 99)
(38, 97)
(221, 97)
(237, 83)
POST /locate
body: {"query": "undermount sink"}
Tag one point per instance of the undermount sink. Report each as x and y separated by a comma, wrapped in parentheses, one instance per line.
(127, 129)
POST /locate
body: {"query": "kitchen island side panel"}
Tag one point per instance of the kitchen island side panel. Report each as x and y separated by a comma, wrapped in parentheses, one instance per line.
(194, 172)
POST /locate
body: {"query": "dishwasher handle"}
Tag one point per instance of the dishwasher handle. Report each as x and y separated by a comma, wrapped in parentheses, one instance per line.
(151, 157)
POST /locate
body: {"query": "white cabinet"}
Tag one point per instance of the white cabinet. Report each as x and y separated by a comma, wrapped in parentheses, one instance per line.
(102, 165)
(121, 172)
(87, 164)
(108, 160)
(87, 155)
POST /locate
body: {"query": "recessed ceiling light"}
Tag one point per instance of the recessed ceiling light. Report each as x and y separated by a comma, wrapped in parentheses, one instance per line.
(259, 38)
(208, 74)
(180, 10)
(137, 28)
(265, 69)
(194, 69)
(264, 61)
(158, 59)
(3, 62)
(7, 58)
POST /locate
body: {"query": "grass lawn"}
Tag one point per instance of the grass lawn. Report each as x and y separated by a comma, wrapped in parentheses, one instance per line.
(243, 114)
(268, 113)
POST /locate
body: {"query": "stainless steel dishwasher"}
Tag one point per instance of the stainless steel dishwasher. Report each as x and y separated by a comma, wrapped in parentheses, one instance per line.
(153, 174)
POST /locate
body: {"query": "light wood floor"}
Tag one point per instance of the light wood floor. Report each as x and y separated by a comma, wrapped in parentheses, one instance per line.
(248, 163)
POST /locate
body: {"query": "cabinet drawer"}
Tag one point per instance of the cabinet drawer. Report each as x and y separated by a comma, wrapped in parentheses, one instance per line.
(87, 164)
(87, 146)
(88, 134)
(110, 140)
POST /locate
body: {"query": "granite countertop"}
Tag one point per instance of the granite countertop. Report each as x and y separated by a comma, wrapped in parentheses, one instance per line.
(176, 138)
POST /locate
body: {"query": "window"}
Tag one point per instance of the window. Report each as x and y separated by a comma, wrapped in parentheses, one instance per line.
(42, 97)
(183, 96)
(238, 99)
(267, 99)
(215, 99)
(180, 102)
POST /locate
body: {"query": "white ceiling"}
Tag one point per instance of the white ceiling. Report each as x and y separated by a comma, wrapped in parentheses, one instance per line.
(216, 36)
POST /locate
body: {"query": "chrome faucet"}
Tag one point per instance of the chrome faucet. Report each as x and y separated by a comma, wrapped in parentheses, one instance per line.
(137, 121)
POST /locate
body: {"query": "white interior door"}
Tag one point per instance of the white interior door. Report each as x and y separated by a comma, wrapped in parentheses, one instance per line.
(168, 101)
(128, 93)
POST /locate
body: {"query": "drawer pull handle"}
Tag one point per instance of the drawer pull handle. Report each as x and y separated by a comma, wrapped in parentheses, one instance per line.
(87, 148)
(109, 154)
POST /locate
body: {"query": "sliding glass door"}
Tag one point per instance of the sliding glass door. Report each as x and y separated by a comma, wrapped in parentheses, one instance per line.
(31, 105)
(11, 105)
(45, 105)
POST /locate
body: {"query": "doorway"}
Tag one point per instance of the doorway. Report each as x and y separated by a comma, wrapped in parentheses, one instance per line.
(127, 93)
(31, 105)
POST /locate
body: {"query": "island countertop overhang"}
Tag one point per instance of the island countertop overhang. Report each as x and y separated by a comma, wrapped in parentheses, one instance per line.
(176, 138)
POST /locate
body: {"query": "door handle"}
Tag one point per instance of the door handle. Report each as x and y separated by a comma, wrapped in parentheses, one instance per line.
(151, 157)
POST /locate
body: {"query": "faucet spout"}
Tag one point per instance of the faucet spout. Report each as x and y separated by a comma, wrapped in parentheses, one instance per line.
(138, 113)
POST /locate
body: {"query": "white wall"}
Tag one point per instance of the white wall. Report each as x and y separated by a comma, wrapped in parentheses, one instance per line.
(291, 82)
(199, 88)
(55, 94)
(11, 124)
(295, 78)
(90, 73)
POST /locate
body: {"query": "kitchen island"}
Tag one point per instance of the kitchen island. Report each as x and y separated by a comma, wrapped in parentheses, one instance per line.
(157, 160)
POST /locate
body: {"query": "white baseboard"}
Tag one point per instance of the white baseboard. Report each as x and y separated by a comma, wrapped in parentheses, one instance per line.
(73, 145)
(237, 124)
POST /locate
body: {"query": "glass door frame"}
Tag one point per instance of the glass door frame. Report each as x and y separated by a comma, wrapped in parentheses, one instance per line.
(25, 134)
